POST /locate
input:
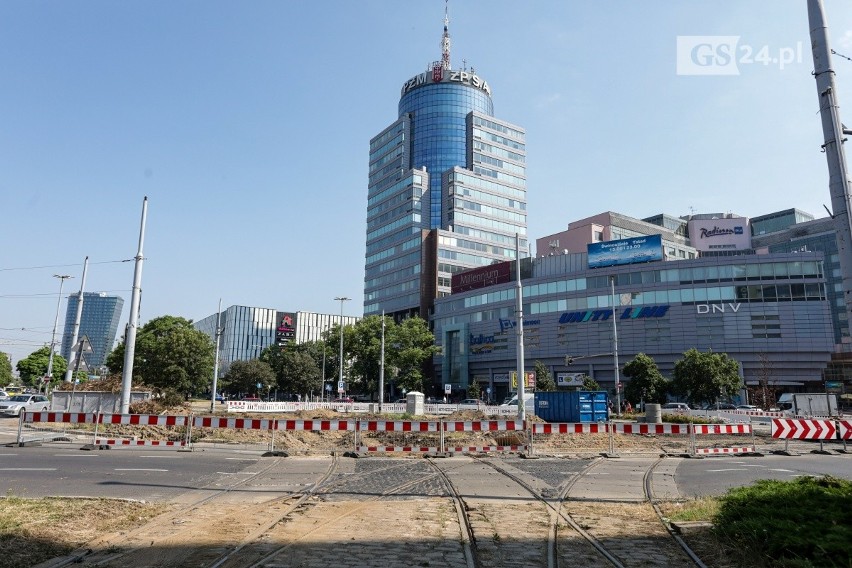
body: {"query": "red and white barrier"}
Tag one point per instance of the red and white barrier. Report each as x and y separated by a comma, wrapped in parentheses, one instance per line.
(722, 428)
(232, 423)
(723, 451)
(624, 428)
(844, 429)
(143, 419)
(483, 426)
(400, 449)
(63, 417)
(397, 426)
(316, 425)
(125, 442)
(570, 428)
(803, 429)
(462, 449)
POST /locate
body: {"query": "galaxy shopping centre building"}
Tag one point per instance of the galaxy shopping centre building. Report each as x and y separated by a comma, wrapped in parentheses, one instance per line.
(769, 311)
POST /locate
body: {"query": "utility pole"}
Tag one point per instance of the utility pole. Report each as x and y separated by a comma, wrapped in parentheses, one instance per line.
(341, 299)
(833, 132)
(615, 351)
(130, 330)
(216, 364)
(62, 279)
(522, 407)
(69, 372)
(382, 367)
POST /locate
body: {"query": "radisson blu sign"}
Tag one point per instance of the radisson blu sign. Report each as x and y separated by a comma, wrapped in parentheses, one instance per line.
(625, 251)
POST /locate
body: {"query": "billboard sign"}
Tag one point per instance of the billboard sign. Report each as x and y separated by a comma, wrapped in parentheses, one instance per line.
(569, 379)
(481, 277)
(720, 234)
(625, 251)
(285, 329)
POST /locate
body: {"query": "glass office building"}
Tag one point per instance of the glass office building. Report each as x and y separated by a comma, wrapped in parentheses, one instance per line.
(446, 191)
(98, 321)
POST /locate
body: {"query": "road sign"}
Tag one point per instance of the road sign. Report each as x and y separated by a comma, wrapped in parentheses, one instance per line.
(448, 388)
(328, 387)
(802, 429)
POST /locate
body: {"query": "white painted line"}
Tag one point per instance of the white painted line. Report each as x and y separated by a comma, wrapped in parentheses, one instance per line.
(752, 465)
(233, 473)
(4, 455)
(730, 469)
(27, 469)
(162, 457)
(138, 469)
(76, 455)
(239, 459)
(783, 470)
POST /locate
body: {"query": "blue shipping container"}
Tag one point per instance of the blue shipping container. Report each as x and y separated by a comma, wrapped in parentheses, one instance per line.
(572, 406)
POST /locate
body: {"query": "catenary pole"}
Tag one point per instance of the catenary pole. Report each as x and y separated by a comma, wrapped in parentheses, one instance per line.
(833, 132)
(216, 364)
(615, 351)
(62, 279)
(382, 366)
(75, 332)
(130, 330)
(519, 325)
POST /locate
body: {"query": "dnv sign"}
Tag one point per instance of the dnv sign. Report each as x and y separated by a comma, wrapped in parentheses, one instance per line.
(626, 313)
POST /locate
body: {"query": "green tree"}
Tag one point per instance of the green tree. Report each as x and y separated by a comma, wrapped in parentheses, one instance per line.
(34, 366)
(646, 382)
(474, 390)
(702, 377)
(297, 368)
(412, 345)
(543, 379)
(244, 376)
(170, 354)
(5, 369)
(590, 384)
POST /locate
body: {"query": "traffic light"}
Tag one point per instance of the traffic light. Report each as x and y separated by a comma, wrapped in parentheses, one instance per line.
(568, 360)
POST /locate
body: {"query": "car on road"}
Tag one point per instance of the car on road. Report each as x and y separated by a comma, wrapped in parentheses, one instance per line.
(343, 399)
(471, 401)
(676, 406)
(4, 395)
(24, 403)
(401, 401)
(721, 406)
(747, 407)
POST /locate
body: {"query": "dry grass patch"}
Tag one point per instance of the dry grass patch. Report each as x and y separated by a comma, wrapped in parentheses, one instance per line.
(35, 530)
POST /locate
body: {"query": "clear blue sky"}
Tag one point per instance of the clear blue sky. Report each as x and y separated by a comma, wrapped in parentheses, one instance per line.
(247, 126)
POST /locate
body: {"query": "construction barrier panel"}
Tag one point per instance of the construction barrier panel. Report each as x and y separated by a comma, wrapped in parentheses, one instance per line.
(107, 429)
(727, 439)
(804, 429)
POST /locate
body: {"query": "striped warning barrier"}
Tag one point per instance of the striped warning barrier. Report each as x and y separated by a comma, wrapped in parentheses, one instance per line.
(570, 428)
(625, 428)
(398, 426)
(461, 449)
(232, 423)
(125, 442)
(803, 429)
(316, 425)
(483, 426)
(143, 419)
(722, 451)
(390, 449)
(63, 417)
(844, 428)
(722, 428)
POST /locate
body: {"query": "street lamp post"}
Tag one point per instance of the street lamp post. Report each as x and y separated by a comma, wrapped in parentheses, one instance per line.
(62, 279)
(615, 351)
(341, 299)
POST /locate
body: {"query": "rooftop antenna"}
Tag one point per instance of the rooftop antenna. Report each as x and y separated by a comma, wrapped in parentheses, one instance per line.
(445, 38)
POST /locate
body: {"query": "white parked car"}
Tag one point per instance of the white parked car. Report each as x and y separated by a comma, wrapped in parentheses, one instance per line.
(4, 395)
(24, 403)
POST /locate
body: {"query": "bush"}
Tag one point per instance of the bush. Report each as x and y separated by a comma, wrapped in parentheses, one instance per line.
(804, 523)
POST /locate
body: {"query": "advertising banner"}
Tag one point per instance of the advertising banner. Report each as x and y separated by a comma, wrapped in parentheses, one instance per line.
(719, 234)
(481, 277)
(625, 251)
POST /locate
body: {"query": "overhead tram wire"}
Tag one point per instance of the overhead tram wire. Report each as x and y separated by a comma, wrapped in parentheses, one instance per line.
(841, 55)
(64, 265)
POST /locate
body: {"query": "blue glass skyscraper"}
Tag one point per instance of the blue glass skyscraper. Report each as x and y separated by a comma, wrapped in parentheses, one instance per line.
(446, 191)
(98, 321)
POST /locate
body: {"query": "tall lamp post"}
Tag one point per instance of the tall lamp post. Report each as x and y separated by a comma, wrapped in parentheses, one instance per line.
(615, 351)
(62, 279)
(341, 299)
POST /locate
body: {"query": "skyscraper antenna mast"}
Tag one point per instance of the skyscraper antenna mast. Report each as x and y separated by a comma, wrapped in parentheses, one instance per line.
(445, 38)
